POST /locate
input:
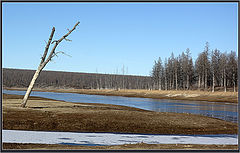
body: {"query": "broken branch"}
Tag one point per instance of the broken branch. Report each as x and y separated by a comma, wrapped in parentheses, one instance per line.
(56, 44)
(67, 39)
(47, 46)
(60, 52)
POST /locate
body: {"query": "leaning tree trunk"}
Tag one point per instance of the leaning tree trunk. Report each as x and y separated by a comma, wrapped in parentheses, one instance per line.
(44, 62)
(30, 87)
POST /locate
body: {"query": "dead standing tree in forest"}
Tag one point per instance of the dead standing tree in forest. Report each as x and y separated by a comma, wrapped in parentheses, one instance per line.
(44, 62)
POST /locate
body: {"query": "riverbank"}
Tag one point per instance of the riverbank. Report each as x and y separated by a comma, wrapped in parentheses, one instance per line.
(139, 146)
(231, 97)
(50, 115)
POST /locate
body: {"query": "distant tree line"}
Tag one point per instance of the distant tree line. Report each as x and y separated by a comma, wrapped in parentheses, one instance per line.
(57, 79)
(211, 70)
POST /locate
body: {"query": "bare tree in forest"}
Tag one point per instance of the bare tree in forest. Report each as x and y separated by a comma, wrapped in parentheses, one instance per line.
(123, 78)
(165, 74)
(185, 69)
(202, 67)
(198, 69)
(206, 64)
(180, 71)
(171, 71)
(190, 73)
(232, 69)
(215, 61)
(223, 65)
(159, 70)
(44, 61)
(155, 74)
(188, 68)
(175, 63)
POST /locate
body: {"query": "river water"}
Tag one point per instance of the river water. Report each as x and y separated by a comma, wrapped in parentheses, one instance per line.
(221, 110)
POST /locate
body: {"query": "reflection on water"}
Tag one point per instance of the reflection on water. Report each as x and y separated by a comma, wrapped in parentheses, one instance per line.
(225, 111)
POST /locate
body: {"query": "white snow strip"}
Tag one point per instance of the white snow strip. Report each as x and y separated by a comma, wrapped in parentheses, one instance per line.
(41, 137)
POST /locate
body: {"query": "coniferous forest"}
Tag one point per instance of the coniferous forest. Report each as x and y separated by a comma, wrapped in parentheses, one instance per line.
(212, 70)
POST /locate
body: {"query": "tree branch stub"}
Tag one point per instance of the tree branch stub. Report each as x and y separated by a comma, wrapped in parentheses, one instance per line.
(47, 46)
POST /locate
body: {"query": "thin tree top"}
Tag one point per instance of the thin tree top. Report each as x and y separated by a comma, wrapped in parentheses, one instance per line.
(53, 53)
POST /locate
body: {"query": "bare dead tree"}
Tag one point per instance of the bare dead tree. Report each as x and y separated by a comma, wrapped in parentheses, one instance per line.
(44, 61)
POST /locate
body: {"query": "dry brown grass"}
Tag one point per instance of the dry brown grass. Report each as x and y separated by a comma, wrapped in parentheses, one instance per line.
(49, 115)
(139, 146)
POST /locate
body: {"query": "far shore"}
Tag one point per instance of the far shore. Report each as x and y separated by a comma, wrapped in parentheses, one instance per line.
(192, 95)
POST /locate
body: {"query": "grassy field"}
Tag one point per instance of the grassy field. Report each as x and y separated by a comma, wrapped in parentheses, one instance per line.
(217, 96)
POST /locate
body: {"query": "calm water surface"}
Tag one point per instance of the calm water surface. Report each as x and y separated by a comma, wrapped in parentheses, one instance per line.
(225, 111)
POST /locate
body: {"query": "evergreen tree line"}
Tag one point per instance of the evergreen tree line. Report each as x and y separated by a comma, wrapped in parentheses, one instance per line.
(212, 70)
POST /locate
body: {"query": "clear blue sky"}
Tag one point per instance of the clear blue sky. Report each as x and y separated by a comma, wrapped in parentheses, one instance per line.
(111, 35)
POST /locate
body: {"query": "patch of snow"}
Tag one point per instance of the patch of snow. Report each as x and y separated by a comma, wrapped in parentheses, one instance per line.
(191, 95)
(185, 95)
(42, 137)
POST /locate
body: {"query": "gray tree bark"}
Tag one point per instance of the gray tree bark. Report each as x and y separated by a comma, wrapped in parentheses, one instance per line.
(213, 82)
(225, 81)
(234, 84)
(160, 84)
(199, 82)
(166, 81)
(205, 84)
(44, 62)
(176, 80)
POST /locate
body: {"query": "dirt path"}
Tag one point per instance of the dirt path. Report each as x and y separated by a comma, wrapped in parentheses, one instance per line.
(231, 97)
